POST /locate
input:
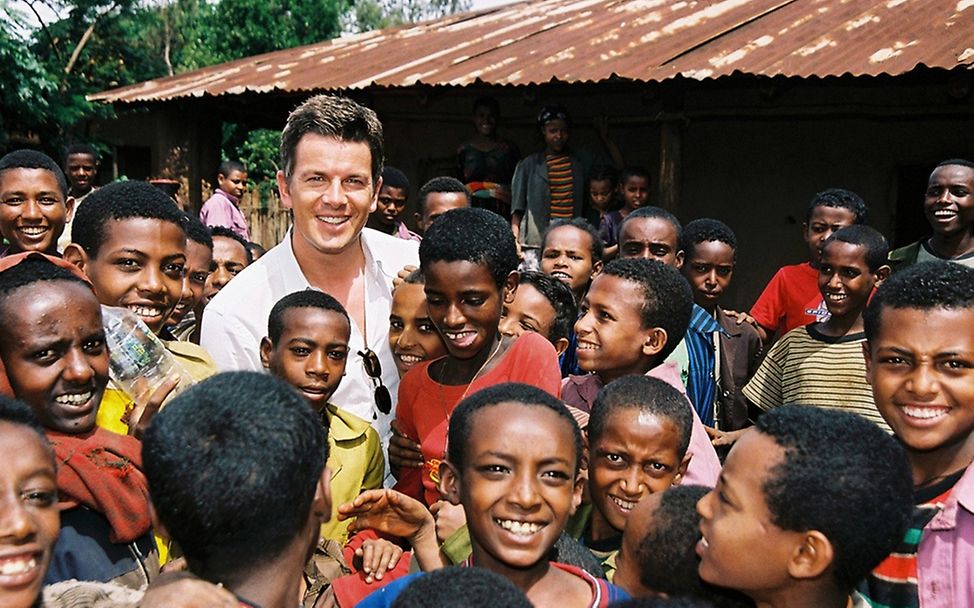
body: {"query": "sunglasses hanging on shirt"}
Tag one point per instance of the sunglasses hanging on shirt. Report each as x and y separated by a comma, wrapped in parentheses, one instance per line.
(383, 400)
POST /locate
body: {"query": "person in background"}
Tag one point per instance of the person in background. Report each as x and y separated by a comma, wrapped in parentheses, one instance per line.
(949, 207)
(553, 183)
(223, 208)
(81, 169)
(393, 195)
(486, 163)
(34, 203)
(230, 256)
(436, 197)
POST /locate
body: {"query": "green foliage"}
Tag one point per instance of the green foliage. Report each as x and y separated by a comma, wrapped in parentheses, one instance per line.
(370, 15)
(103, 44)
(27, 91)
(259, 151)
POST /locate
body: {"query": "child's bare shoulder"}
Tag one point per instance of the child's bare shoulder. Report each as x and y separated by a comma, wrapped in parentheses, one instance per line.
(562, 588)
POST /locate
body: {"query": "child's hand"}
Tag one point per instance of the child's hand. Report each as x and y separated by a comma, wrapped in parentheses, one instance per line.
(390, 512)
(722, 438)
(449, 518)
(142, 414)
(401, 276)
(376, 556)
(740, 317)
(403, 451)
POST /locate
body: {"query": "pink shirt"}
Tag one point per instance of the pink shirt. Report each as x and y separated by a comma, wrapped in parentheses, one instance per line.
(221, 210)
(704, 468)
(945, 557)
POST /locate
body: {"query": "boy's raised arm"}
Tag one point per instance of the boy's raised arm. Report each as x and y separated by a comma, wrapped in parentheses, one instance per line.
(395, 513)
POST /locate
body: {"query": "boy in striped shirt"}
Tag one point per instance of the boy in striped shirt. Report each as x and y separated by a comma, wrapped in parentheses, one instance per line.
(821, 364)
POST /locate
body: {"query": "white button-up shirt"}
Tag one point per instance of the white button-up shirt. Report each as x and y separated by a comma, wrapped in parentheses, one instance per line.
(236, 319)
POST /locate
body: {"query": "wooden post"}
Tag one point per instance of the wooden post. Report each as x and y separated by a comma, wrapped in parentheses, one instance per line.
(671, 148)
(203, 154)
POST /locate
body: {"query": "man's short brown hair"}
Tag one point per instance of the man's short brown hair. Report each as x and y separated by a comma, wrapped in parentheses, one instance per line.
(332, 116)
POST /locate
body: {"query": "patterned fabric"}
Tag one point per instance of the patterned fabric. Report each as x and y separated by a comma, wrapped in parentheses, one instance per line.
(894, 581)
(103, 471)
(808, 368)
(560, 183)
(701, 383)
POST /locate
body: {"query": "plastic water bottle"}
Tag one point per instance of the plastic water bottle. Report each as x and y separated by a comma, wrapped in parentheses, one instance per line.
(139, 361)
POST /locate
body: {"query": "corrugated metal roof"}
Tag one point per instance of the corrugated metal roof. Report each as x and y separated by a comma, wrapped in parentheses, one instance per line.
(593, 40)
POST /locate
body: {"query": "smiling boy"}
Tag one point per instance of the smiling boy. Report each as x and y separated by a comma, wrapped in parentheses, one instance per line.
(130, 242)
(791, 298)
(412, 335)
(949, 207)
(638, 435)
(513, 465)
(920, 362)
(635, 313)
(821, 364)
(28, 483)
(34, 202)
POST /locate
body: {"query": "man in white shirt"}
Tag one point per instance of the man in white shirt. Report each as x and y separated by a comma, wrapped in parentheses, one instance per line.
(331, 153)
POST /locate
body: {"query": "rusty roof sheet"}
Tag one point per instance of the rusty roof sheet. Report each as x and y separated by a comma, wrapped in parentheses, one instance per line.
(593, 40)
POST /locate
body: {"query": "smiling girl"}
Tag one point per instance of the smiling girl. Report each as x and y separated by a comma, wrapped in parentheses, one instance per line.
(468, 258)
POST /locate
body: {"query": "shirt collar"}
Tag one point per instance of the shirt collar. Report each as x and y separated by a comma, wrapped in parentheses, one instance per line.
(703, 322)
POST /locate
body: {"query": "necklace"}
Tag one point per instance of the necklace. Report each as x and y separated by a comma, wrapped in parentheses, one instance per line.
(443, 404)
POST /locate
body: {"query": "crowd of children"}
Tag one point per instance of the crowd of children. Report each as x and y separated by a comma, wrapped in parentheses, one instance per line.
(557, 410)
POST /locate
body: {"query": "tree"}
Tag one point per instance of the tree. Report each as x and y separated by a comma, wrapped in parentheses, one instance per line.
(370, 15)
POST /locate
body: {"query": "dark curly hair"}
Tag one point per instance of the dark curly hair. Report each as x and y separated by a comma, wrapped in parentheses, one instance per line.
(561, 299)
(120, 201)
(459, 587)
(839, 198)
(308, 298)
(230, 234)
(655, 212)
(648, 395)
(32, 159)
(874, 244)
(471, 235)
(461, 420)
(705, 230)
(583, 225)
(33, 269)
(234, 487)
(667, 299)
(196, 231)
(922, 286)
(843, 476)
